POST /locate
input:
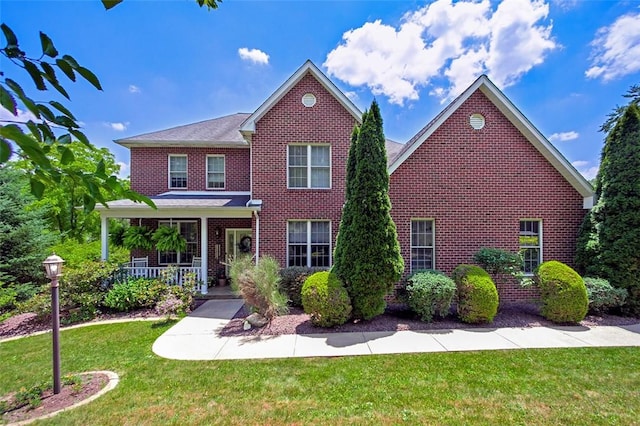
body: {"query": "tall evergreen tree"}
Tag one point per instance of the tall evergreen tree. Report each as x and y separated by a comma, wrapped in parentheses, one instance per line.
(340, 261)
(617, 214)
(371, 260)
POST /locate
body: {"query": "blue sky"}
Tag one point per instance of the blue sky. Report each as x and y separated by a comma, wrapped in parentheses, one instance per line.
(564, 63)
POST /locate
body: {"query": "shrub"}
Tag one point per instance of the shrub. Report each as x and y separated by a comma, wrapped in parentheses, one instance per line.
(134, 294)
(259, 284)
(85, 286)
(498, 261)
(325, 299)
(602, 295)
(75, 254)
(176, 301)
(477, 294)
(40, 304)
(430, 293)
(563, 293)
(292, 280)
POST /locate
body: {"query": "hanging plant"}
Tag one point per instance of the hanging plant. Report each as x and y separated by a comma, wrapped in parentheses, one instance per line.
(137, 237)
(168, 238)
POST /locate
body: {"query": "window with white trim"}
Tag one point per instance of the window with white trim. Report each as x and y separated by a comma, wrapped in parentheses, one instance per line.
(530, 240)
(309, 243)
(189, 230)
(422, 249)
(215, 171)
(309, 166)
(177, 171)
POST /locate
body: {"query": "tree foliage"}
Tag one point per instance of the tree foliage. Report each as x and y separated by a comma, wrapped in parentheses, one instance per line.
(617, 214)
(23, 244)
(369, 254)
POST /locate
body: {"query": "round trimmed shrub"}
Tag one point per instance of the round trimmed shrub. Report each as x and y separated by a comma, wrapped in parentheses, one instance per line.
(326, 300)
(563, 293)
(477, 294)
(430, 293)
(603, 296)
(291, 282)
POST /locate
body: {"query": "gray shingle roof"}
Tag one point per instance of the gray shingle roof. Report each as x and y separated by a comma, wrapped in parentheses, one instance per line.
(218, 131)
(393, 149)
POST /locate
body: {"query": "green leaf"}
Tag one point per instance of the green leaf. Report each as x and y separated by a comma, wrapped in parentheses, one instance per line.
(37, 188)
(109, 4)
(66, 122)
(89, 203)
(5, 151)
(33, 128)
(81, 137)
(90, 77)
(62, 109)
(66, 69)
(46, 112)
(100, 169)
(47, 133)
(70, 61)
(7, 101)
(65, 139)
(67, 156)
(12, 40)
(47, 46)
(31, 106)
(35, 74)
(50, 76)
(28, 144)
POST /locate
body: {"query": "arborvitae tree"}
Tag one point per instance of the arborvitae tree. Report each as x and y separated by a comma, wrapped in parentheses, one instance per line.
(340, 261)
(617, 213)
(370, 247)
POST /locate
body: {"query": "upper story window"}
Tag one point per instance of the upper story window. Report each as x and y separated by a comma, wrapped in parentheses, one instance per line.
(421, 244)
(531, 244)
(215, 171)
(177, 171)
(309, 166)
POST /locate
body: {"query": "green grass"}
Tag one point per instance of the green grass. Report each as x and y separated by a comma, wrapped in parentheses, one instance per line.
(533, 387)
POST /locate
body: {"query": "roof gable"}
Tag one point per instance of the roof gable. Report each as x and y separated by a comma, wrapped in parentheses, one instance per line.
(249, 125)
(526, 128)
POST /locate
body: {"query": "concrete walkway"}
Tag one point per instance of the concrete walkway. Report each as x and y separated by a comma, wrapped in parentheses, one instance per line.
(196, 338)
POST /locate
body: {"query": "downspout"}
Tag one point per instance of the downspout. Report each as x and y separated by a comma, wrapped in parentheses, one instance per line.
(257, 235)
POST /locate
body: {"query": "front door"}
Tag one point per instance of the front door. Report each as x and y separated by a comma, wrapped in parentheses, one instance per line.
(238, 241)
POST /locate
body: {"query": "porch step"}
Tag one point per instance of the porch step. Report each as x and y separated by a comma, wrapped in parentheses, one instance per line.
(217, 293)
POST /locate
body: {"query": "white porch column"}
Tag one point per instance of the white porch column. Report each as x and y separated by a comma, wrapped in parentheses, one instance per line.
(204, 248)
(257, 244)
(104, 238)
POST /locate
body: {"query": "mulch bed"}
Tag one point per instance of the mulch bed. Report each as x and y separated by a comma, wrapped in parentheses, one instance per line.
(69, 395)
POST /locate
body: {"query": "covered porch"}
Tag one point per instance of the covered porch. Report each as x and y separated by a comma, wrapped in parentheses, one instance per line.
(216, 226)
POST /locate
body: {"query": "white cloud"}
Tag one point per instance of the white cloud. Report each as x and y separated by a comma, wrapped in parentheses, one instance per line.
(564, 136)
(586, 169)
(616, 49)
(353, 96)
(118, 127)
(445, 46)
(124, 170)
(254, 55)
(134, 89)
(22, 117)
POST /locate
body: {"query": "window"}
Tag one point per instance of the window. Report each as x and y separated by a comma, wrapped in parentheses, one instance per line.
(531, 244)
(309, 166)
(189, 230)
(309, 243)
(215, 171)
(177, 171)
(421, 244)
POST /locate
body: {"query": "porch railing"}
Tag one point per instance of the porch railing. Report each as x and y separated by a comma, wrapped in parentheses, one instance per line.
(178, 276)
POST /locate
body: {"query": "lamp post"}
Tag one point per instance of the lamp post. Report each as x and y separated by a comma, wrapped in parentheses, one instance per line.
(53, 268)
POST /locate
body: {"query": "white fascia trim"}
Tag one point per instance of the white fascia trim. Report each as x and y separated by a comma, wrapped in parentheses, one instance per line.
(180, 144)
(249, 125)
(210, 192)
(178, 213)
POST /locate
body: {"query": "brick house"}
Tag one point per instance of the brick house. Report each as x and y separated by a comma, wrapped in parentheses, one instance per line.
(272, 182)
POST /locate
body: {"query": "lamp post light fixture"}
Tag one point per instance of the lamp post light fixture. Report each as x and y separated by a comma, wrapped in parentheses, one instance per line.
(53, 268)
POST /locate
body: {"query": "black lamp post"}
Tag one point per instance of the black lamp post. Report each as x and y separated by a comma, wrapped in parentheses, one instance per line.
(53, 267)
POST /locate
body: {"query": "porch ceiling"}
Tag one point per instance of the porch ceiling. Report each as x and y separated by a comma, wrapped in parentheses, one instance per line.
(182, 206)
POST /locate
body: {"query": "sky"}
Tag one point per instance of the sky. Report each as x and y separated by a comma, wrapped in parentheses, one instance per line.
(564, 63)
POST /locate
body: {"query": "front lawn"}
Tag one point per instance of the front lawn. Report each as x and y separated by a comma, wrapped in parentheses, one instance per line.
(553, 386)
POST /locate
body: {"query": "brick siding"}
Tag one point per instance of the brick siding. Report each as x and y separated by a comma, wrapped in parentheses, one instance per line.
(477, 185)
(150, 169)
